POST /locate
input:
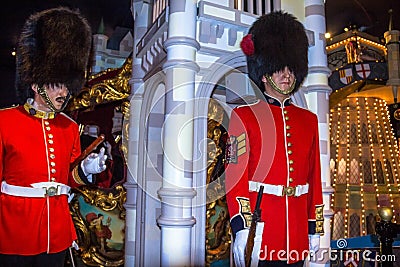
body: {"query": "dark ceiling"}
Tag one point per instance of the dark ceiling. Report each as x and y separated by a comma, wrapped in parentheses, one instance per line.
(370, 16)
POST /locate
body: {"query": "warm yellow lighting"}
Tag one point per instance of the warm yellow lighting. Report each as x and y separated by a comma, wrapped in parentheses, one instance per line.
(327, 35)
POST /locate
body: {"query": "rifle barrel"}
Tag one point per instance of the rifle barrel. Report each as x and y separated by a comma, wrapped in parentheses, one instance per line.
(252, 231)
(259, 197)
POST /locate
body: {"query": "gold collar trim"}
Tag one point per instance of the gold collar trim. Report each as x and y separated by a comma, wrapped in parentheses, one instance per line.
(38, 113)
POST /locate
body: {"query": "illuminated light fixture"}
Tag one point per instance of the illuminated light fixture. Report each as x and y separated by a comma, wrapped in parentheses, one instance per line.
(360, 41)
(364, 166)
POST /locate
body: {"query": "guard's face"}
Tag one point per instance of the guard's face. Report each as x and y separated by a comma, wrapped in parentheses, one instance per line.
(57, 95)
(284, 79)
(280, 84)
(52, 97)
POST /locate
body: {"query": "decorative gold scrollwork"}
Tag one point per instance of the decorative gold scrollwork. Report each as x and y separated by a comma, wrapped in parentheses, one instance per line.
(107, 86)
(218, 230)
(89, 204)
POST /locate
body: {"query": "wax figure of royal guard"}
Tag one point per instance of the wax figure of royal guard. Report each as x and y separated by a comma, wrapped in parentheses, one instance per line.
(38, 142)
(275, 143)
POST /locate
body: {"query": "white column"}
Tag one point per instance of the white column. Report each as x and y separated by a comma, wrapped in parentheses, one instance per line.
(176, 220)
(140, 12)
(317, 95)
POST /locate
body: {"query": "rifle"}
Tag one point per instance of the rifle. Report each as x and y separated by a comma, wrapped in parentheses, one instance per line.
(256, 217)
(87, 151)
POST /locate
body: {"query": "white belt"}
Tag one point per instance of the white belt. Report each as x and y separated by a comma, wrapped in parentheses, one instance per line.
(42, 189)
(279, 190)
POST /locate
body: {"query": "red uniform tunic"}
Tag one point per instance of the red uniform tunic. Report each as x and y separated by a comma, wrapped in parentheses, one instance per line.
(36, 150)
(278, 144)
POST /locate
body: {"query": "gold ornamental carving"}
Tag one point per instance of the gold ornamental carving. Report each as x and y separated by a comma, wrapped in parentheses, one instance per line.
(107, 86)
(218, 230)
(89, 201)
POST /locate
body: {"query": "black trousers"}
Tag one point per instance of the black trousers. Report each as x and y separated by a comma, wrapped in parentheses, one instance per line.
(279, 264)
(40, 260)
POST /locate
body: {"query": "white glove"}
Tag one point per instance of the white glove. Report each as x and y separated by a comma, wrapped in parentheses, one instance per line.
(313, 243)
(239, 247)
(94, 163)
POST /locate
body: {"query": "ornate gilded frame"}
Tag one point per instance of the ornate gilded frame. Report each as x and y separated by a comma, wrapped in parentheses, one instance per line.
(108, 202)
(218, 231)
(107, 86)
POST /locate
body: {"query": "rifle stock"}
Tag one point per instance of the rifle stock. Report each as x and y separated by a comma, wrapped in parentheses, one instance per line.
(87, 151)
(256, 217)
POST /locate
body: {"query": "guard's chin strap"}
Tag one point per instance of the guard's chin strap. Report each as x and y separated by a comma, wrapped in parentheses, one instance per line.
(276, 87)
(43, 93)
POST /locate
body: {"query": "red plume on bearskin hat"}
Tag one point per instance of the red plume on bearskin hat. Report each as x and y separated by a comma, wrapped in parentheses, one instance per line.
(53, 48)
(278, 40)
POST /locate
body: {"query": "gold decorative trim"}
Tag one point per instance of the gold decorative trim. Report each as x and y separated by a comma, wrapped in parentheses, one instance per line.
(113, 85)
(218, 231)
(245, 210)
(75, 175)
(109, 201)
(319, 218)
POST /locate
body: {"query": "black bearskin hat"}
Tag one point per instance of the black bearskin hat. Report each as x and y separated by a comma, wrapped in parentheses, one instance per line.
(53, 48)
(276, 40)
